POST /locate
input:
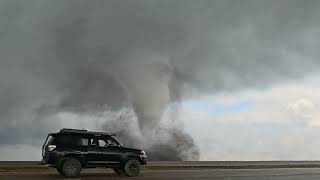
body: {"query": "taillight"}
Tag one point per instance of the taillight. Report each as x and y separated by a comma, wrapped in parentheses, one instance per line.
(51, 147)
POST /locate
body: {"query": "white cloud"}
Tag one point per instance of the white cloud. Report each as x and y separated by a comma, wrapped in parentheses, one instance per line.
(282, 124)
(305, 111)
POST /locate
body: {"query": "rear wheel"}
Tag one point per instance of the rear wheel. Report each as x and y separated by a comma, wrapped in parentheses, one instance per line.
(71, 167)
(59, 165)
(132, 168)
(118, 170)
(59, 170)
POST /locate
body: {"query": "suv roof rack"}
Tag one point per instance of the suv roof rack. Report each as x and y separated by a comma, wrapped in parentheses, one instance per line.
(83, 131)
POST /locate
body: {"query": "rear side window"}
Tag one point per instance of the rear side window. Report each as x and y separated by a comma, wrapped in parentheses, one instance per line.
(82, 142)
(63, 140)
(69, 140)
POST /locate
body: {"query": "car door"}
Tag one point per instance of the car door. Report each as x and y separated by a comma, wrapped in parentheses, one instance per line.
(109, 151)
(93, 154)
(82, 145)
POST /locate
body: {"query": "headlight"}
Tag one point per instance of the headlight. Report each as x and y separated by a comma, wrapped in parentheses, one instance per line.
(143, 153)
(51, 147)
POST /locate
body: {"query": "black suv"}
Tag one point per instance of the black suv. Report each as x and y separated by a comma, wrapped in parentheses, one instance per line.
(70, 150)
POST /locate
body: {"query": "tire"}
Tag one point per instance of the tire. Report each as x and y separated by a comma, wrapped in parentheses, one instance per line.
(118, 170)
(59, 170)
(132, 168)
(59, 165)
(70, 168)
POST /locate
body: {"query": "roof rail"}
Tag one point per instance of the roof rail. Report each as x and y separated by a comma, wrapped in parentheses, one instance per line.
(73, 130)
(83, 131)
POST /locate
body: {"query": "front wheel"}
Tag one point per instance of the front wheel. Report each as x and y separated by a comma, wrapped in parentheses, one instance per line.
(132, 168)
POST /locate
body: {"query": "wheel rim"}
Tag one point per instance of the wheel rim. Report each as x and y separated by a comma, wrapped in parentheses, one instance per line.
(133, 168)
(71, 167)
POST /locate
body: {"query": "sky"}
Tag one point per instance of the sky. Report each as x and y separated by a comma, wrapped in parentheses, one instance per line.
(281, 122)
(204, 80)
(278, 123)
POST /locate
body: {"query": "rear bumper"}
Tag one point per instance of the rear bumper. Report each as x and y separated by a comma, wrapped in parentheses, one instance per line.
(49, 158)
(43, 161)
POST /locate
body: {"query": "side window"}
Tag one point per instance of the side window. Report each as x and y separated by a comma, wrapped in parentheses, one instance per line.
(97, 142)
(82, 142)
(63, 140)
(102, 143)
(94, 142)
(111, 142)
(85, 142)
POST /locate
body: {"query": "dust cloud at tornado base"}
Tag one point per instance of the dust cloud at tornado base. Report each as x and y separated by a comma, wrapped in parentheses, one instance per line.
(137, 59)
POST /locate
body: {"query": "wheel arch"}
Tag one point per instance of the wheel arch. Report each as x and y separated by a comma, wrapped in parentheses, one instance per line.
(132, 157)
(77, 155)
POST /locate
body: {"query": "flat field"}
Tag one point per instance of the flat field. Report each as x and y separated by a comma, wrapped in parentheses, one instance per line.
(274, 170)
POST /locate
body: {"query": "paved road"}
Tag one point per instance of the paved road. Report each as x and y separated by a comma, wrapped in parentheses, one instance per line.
(209, 174)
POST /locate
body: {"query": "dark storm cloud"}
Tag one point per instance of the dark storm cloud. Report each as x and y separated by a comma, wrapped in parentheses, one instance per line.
(79, 56)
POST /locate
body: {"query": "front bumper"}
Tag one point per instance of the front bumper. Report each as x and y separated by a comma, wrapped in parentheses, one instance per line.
(143, 159)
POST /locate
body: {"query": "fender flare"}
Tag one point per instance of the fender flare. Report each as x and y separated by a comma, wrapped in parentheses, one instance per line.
(76, 154)
(131, 157)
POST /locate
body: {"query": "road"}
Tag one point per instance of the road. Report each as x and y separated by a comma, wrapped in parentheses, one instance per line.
(198, 174)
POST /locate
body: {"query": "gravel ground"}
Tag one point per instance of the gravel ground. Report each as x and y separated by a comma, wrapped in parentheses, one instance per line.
(205, 174)
(249, 170)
